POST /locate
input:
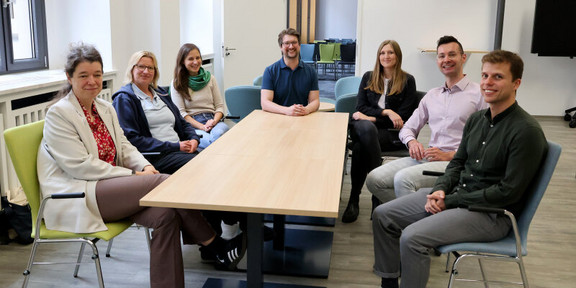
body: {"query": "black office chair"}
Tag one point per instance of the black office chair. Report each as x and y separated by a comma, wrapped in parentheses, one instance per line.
(402, 152)
(571, 118)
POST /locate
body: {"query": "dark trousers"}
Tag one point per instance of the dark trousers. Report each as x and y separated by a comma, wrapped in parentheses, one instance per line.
(170, 162)
(118, 198)
(368, 142)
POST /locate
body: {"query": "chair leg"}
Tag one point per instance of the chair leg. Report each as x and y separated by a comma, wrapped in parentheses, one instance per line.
(447, 262)
(454, 270)
(148, 237)
(109, 247)
(96, 258)
(483, 273)
(523, 273)
(29, 267)
(79, 259)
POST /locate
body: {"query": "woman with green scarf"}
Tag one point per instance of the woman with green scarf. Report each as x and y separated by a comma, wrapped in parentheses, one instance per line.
(195, 93)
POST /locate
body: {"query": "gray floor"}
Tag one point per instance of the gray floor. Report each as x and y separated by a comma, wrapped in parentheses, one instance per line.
(551, 260)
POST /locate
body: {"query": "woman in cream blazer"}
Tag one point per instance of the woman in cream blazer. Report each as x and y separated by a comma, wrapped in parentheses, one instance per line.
(73, 164)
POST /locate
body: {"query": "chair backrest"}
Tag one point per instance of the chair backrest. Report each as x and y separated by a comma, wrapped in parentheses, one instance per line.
(22, 143)
(347, 41)
(348, 53)
(307, 52)
(537, 188)
(317, 49)
(327, 52)
(346, 85)
(257, 81)
(336, 55)
(346, 103)
(420, 95)
(241, 100)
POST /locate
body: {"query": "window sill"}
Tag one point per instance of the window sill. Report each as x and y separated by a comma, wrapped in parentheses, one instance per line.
(21, 82)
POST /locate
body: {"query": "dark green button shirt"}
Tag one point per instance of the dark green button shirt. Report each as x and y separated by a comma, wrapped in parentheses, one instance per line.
(495, 161)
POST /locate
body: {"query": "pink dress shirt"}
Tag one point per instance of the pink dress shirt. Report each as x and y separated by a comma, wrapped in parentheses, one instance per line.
(446, 111)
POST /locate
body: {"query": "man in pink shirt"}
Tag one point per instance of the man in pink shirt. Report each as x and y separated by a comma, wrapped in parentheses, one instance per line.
(445, 109)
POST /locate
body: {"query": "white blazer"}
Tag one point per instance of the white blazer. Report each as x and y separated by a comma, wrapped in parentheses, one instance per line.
(68, 162)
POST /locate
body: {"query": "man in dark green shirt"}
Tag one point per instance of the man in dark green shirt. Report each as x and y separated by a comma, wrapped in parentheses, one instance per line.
(501, 150)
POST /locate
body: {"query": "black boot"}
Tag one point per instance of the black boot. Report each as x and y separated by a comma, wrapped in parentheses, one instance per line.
(389, 283)
(352, 210)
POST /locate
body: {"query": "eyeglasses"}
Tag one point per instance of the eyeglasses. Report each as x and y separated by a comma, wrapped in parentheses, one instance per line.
(287, 44)
(142, 68)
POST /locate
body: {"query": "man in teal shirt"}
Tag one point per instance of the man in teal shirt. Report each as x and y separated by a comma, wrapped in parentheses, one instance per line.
(289, 86)
(501, 150)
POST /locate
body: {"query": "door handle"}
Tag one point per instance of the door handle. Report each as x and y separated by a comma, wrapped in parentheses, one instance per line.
(5, 3)
(227, 49)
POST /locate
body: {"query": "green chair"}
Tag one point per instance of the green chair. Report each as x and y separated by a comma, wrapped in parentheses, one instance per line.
(336, 55)
(327, 57)
(22, 143)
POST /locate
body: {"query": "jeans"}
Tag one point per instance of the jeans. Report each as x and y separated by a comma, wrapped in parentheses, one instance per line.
(211, 136)
(402, 177)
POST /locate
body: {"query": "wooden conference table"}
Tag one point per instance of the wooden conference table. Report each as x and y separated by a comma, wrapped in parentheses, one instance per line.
(266, 164)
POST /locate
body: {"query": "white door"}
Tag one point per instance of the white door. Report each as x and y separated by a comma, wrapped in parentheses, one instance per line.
(246, 38)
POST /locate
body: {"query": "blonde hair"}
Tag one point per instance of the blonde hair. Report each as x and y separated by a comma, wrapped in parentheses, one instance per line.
(398, 80)
(134, 60)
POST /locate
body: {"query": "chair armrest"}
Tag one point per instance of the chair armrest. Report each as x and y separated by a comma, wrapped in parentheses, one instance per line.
(499, 211)
(68, 195)
(432, 173)
(231, 117)
(56, 196)
(503, 212)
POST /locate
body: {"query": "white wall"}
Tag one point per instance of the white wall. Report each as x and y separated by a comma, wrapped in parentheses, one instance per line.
(548, 85)
(70, 21)
(119, 28)
(336, 19)
(197, 24)
(468, 20)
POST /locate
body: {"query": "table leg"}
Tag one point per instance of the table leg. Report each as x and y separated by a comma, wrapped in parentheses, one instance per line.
(279, 231)
(255, 250)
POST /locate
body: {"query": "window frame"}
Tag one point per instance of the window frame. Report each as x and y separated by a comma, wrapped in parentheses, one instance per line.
(38, 26)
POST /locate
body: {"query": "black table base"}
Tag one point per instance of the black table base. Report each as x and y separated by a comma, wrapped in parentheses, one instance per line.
(231, 283)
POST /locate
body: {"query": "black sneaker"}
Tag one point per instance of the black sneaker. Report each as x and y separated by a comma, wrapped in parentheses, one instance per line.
(232, 254)
(207, 255)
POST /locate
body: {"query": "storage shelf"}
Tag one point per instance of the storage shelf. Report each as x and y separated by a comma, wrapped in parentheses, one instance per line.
(424, 50)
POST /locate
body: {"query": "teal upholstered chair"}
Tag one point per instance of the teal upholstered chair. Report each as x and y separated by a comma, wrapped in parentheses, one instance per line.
(512, 247)
(257, 81)
(346, 85)
(241, 100)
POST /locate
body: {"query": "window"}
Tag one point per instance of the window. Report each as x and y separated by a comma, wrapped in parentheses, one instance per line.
(23, 43)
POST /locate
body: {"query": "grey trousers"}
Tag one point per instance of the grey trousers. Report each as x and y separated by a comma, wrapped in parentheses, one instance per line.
(404, 231)
(402, 177)
(118, 198)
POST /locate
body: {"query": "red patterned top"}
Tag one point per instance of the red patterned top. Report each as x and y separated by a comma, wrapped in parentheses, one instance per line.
(106, 148)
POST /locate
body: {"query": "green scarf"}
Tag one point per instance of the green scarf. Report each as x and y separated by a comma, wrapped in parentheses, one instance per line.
(199, 81)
